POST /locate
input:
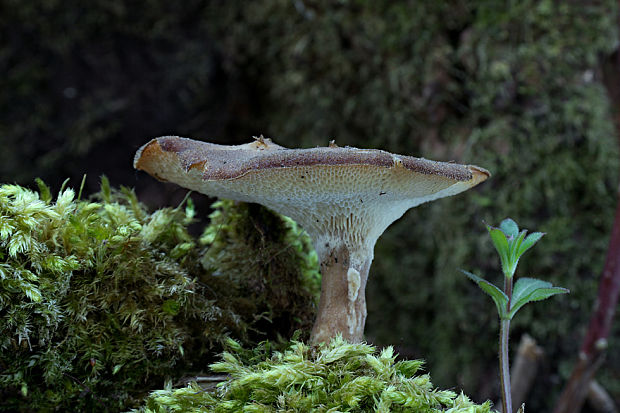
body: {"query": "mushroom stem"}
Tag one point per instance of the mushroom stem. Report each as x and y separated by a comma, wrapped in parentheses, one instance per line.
(342, 308)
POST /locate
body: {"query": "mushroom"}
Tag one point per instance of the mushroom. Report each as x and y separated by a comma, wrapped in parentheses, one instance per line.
(343, 197)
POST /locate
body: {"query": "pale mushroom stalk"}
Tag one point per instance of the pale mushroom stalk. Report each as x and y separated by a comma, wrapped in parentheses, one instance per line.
(342, 307)
(343, 197)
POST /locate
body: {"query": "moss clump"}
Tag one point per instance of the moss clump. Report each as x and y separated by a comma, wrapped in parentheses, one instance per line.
(329, 378)
(100, 301)
(269, 261)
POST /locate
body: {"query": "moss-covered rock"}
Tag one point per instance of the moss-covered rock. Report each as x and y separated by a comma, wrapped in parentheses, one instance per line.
(102, 301)
(334, 377)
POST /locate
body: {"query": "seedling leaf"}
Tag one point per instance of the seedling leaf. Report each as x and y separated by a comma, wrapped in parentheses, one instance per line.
(529, 242)
(509, 227)
(527, 290)
(501, 245)
(515, 245)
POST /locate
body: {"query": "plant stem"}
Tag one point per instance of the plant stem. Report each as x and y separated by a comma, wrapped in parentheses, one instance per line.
(504, 364)
(504, 367)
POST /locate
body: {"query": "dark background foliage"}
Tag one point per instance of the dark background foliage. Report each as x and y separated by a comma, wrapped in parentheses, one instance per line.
(515, 87)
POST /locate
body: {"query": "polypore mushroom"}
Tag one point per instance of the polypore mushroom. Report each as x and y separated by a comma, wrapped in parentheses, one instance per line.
(343, 197)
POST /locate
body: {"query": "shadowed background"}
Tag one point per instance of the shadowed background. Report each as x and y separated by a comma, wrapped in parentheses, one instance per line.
(515, 87)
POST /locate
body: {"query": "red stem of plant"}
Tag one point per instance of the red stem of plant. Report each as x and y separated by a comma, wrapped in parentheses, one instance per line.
(595, 342)
(609, 289)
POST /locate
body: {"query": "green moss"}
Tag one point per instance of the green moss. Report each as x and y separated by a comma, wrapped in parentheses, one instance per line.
(100, 301)
(267, 255)
(331, 377)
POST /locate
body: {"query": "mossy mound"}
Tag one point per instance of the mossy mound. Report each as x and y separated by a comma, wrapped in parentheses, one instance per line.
(334, 377)
(102, 301)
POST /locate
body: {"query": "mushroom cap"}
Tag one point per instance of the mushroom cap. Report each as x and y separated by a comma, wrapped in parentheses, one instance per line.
(335, 193)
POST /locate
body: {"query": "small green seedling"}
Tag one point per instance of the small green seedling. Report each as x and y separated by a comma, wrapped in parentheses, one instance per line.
(511, 244)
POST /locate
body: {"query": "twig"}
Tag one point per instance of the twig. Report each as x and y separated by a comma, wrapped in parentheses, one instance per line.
(599, 399)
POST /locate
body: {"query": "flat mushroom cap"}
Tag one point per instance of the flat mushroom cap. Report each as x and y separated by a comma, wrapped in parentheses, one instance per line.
(332, 192)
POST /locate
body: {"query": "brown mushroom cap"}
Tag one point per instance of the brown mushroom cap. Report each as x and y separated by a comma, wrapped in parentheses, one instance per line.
(331, 191)
(343, 197)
